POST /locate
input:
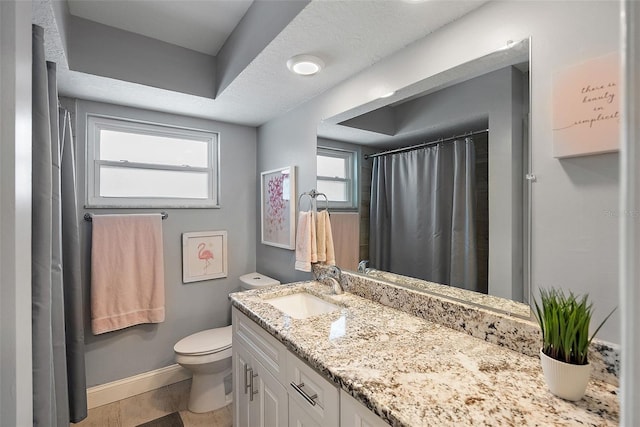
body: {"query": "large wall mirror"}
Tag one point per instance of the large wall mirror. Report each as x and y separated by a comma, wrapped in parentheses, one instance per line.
(429, 183)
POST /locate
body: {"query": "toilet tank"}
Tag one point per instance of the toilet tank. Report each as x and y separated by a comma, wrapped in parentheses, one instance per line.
(256, 281)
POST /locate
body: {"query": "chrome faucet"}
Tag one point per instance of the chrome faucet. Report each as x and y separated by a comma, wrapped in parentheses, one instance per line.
(335, 285)
(332, 278)
(363, 266)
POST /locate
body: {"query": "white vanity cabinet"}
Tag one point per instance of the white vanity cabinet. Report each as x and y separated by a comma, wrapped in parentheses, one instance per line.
(274, 388)
(298, 417)
(355, 414)
(259, 361)
(261, 399)
(310, 392)
(242, 361)
(270, 401)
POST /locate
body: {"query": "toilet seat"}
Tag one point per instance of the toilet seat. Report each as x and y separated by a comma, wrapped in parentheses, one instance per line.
(205, 342)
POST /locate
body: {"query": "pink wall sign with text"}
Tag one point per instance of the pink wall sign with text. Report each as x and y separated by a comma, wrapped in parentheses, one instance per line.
(586, 108)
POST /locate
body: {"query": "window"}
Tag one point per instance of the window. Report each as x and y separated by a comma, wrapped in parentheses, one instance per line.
(133, 164)
(337, 177)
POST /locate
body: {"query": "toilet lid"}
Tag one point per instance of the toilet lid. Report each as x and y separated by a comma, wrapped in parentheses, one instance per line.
(205, 342)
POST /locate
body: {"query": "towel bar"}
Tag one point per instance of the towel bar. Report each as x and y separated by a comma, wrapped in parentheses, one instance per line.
(89, 217)
(313, 194)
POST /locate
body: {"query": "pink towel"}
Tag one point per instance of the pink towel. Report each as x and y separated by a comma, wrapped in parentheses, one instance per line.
(326, 251)
(306, 245)
(321, 236)
(127, 271)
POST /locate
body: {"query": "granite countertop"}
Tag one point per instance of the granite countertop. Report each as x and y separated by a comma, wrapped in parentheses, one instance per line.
(498, 304)
(412, 372)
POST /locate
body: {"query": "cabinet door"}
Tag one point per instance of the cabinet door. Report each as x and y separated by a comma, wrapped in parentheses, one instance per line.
(312, 392)
(269, 407)
(241, 371)
(355, 414)
(263, 347)
(299, 418)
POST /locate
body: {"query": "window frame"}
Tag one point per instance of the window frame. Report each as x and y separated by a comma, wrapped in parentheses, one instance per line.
(96, 122)
(351, 161)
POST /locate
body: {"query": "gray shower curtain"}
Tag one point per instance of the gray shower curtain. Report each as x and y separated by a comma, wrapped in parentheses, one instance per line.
(59, 385)
(422, 218)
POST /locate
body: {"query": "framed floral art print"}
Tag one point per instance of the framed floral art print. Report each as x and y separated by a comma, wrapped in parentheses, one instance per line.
(278, 207)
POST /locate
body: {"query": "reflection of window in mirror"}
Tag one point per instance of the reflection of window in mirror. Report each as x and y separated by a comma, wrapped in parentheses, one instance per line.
(337, 177)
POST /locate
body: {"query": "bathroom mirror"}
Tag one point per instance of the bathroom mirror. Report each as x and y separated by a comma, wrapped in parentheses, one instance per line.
(455, 146)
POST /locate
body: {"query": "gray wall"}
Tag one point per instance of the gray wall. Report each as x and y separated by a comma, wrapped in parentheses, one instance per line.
(16, 407)
(98, 49)
(189, 307)
(575, 243)
(630, 230)
(287, 141)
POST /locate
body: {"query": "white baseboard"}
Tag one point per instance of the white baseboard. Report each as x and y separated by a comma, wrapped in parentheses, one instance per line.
(121, 389)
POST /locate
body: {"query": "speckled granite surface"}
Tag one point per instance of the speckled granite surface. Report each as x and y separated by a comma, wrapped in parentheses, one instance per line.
(516, 333)
(413, 372)
(501, 305)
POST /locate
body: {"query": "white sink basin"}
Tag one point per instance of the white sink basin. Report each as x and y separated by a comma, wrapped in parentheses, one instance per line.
(302, 305)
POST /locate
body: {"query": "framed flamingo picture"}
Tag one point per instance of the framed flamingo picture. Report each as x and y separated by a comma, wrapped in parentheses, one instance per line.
(278, 207)
(204, 255)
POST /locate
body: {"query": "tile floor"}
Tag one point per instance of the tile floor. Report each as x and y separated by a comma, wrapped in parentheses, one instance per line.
(155, 404)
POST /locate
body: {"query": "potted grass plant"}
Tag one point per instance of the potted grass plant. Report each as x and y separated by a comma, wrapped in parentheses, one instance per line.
(564, 321)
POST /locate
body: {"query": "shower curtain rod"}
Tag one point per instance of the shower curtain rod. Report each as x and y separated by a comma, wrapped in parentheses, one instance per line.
(424, 144)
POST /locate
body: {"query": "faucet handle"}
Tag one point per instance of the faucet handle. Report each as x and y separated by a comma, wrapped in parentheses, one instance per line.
(335, 271)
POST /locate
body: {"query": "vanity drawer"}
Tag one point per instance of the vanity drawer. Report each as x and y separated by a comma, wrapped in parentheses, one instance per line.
(266, 349)
(312, 392)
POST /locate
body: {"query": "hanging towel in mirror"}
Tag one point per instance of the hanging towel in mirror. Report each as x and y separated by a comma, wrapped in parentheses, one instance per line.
(326, 252)
(306, 244)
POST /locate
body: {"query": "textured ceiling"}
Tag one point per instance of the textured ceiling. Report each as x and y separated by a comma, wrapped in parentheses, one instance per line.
(197, 25)
(349, 36)
(514, 54)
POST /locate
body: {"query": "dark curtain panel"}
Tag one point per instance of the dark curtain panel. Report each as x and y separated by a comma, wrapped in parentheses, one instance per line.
(422, 218)
(50, 289)
(44, 399)
(73, 299)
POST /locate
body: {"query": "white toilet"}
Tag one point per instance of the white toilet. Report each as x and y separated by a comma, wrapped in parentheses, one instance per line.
(207, 355)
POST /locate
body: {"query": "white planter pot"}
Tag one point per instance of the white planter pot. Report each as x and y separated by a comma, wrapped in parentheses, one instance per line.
(565, 380)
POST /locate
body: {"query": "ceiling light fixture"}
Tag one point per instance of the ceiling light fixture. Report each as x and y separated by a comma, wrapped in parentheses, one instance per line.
(388, 94)
(305, 65)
